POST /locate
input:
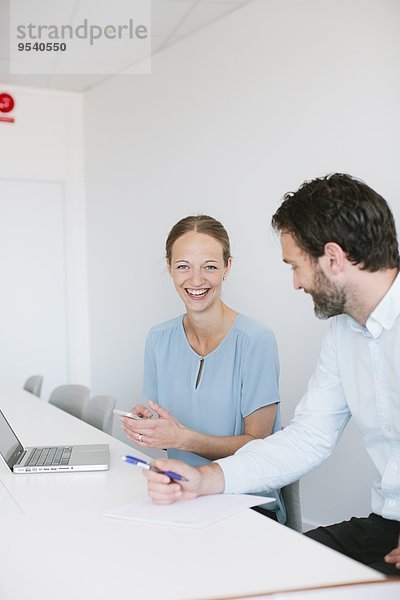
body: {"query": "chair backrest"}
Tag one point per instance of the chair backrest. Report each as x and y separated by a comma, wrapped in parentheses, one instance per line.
(291, 498)
(71, 397)
(34, 384)
(99, 412)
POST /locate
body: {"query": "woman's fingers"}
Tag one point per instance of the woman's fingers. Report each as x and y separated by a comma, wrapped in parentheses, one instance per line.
(141, 411)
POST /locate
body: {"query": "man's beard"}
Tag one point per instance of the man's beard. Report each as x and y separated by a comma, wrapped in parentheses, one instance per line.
(329, 299)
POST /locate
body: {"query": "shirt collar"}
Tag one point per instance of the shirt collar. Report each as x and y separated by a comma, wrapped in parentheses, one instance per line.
(385, 314)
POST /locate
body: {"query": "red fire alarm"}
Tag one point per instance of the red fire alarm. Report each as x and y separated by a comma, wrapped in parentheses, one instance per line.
(7, 103)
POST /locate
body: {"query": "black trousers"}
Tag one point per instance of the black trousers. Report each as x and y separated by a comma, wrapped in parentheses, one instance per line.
(267, 513)
(366, 540)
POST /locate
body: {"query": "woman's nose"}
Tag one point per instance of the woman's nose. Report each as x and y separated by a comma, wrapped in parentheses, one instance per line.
(197, 277)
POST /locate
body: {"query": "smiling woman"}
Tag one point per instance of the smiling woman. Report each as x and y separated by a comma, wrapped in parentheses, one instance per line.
(211, 374)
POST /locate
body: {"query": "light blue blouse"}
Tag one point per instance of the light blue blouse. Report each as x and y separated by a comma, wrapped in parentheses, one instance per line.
(240, 376)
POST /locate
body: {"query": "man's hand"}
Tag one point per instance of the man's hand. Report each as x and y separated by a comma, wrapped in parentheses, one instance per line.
(201, 481)
(393, 558)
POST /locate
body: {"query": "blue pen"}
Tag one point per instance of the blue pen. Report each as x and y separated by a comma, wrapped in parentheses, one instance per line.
(145, 465)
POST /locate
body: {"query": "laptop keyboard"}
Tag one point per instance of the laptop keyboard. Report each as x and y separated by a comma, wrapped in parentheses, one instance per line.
(46, 457)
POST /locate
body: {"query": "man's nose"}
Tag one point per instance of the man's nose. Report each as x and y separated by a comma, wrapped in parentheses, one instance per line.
(296, 282)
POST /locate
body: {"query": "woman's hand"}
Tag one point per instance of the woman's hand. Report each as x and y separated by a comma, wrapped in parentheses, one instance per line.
(141, 411)
(164, 432)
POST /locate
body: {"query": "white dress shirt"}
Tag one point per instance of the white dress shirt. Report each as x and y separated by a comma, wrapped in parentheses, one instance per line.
(358, 375)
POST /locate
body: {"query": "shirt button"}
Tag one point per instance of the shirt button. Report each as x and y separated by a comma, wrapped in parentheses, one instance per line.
(392, 502)
(388, 429)
(395, 466)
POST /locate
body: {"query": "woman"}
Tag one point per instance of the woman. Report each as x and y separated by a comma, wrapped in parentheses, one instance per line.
(211, 376)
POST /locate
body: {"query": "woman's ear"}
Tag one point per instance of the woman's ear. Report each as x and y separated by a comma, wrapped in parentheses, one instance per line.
(168, 265)
(228, 268)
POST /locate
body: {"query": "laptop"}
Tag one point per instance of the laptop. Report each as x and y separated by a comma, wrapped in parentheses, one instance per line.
(50, 459)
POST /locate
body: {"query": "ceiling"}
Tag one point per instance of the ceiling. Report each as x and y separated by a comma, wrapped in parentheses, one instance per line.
(171, 20)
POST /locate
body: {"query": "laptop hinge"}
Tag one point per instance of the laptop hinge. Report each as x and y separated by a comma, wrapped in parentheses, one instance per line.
(20, 457)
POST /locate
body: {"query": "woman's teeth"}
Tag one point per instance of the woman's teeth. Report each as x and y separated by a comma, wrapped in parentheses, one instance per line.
(197, 293)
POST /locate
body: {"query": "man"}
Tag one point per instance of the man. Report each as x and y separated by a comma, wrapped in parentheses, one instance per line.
(339, 237)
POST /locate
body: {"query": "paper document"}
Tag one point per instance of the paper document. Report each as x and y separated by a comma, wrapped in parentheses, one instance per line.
(196, 513)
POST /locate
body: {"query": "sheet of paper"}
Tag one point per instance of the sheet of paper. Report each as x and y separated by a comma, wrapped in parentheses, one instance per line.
(196, 513)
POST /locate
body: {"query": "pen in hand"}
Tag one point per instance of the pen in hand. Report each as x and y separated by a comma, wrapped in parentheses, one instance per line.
(145, 465)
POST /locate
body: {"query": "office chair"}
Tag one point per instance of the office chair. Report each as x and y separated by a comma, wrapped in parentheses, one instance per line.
(71, 397)
(99, 412)
(291, 499)
(34, 385)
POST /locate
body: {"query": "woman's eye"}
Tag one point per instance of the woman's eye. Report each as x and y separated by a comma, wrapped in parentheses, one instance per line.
(211, 267)
(182, 267)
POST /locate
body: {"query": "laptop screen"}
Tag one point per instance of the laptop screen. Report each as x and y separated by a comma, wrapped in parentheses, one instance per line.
(10, 446)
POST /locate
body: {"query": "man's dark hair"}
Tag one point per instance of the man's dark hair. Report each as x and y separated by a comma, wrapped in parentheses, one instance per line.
(339, 208)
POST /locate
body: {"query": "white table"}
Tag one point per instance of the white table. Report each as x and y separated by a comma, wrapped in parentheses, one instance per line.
(54, 543)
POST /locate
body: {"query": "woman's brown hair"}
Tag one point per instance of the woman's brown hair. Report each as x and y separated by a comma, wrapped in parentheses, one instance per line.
(200, 224)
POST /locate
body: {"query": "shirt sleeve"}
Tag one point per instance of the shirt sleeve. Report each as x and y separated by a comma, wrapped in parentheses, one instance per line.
(260, 385)
(319, 420)
(150, 385)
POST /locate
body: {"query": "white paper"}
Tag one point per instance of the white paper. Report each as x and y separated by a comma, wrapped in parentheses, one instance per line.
(196, 513)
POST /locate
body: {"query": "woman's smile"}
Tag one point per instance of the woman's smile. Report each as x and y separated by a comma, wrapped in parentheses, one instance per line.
(197, 294)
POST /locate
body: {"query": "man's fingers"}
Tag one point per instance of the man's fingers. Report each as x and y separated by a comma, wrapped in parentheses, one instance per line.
(163, 499)
(393, 557)
(160, 488)
(164, 496)
(169, 464)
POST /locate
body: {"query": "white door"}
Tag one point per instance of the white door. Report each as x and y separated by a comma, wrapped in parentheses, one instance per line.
(33, 307)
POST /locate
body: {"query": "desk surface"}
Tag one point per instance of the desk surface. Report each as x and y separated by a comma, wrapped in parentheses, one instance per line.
(55, 543)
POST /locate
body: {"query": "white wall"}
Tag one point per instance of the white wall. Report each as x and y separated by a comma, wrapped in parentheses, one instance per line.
(229, 120)
(45, 146)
